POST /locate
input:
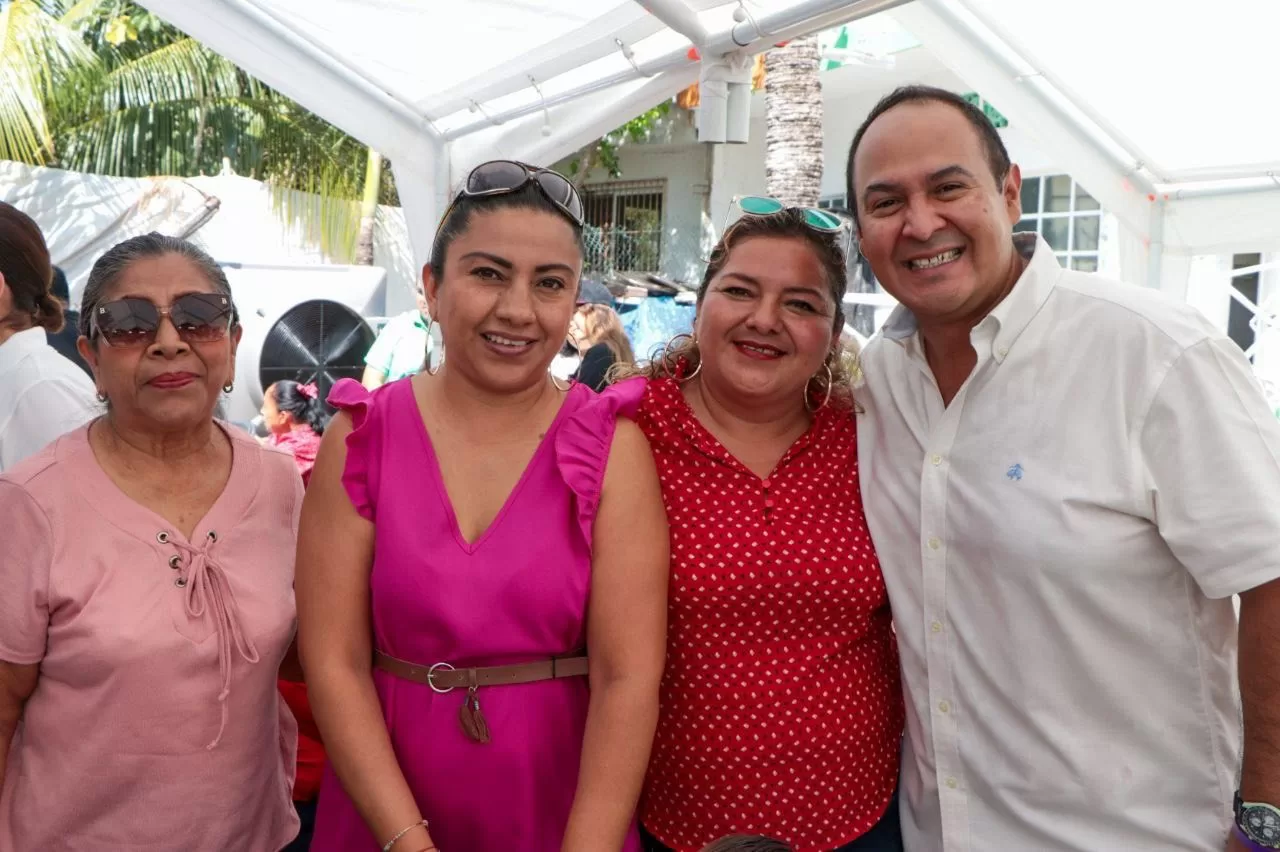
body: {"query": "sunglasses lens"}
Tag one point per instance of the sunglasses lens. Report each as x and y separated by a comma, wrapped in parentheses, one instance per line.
(127, 322)
(559, 190)
(821, 219)
(496, 175)
(758, 205)
(201, 317)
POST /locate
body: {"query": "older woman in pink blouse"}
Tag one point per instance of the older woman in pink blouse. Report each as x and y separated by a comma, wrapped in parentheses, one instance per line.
(147, 573)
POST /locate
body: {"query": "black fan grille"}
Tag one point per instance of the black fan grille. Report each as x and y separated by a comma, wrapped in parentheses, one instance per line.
(318, 341)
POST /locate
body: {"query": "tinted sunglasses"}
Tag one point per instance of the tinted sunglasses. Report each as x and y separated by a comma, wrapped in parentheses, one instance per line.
(815, 218)
(503, 177)
(198, 318)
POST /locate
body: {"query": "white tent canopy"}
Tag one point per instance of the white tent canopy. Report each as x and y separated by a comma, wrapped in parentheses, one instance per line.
(1164, 113)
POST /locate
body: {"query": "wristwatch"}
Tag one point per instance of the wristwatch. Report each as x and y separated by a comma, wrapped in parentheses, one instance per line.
(1259, 822)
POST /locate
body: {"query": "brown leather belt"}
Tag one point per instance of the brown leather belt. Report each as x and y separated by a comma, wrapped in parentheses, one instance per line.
(442, 677)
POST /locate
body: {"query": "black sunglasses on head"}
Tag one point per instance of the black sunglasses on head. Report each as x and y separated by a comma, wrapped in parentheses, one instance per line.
(134, 321)
(503, 177)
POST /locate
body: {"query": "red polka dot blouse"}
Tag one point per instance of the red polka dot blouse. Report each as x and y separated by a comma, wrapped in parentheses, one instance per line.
(781, 704)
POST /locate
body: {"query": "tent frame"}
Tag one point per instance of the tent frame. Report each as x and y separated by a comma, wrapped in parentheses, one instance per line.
(429, 156)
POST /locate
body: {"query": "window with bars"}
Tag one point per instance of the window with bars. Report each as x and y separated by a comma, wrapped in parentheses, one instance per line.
(623, 230)
(1068, 217)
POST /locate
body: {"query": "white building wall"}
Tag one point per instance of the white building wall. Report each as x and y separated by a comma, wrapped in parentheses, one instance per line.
(673, 155)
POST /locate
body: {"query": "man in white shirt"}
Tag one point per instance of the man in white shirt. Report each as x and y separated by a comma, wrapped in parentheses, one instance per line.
(42, 395)
(1066, 479)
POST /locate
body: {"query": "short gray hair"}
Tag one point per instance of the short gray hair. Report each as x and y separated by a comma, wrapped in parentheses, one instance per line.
(113, 263)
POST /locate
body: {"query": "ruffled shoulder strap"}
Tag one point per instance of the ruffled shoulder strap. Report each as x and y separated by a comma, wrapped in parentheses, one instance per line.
(583, 441)
(360, 474)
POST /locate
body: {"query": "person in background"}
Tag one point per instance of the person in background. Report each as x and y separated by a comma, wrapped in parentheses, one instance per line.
(596, 332)
(565, 365)
(402, 346)
(66, 338)
(147, 577)
(1068, 478)
(468, 534)
(782, 700)
(42, 394)
(295, 416)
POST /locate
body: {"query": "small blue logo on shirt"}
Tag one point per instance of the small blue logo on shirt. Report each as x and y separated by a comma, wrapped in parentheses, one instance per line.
(1014, 473)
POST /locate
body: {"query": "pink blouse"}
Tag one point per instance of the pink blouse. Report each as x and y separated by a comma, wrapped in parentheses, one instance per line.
(155, 724)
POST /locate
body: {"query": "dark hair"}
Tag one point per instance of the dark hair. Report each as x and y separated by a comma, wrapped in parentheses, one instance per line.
(59, 288)
(786, 224)
(310, 410)
(458, 217)
(117, 259)
(746, 843)
(997, 154)
(24, 262)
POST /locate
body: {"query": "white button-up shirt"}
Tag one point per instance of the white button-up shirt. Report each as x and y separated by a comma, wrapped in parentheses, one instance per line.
(1060, 545)
(42, 396)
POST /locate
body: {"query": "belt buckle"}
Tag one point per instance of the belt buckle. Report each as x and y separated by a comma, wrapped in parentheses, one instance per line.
(431, 671)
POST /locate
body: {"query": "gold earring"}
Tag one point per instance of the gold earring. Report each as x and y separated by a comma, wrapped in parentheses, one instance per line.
(556, 380)
(431, 372)
(826, 365)
(668, 356)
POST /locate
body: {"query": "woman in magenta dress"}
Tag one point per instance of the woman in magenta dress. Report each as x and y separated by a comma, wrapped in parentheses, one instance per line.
(480, 527)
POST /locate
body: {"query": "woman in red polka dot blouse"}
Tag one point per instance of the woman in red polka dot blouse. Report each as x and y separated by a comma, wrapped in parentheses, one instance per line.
(781, 705)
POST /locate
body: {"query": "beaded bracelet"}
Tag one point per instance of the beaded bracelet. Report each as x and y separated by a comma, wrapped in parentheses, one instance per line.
(403, 832)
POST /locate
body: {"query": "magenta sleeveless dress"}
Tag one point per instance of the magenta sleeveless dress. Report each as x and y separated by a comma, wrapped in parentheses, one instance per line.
(517, 594)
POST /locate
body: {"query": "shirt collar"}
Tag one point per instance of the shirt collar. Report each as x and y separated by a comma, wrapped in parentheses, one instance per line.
(20, 345)
(1000, 328)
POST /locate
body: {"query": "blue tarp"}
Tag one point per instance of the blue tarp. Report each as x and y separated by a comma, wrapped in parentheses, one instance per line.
(654, 321)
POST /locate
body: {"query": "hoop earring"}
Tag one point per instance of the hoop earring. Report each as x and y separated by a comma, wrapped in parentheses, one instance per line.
(826, 397)
(102, 397)
(228, 387)
(431, 372)
(555, 383)
(667, 355)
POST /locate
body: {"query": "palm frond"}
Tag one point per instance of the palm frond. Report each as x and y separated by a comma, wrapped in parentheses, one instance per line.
(42, 65)
(183, 71)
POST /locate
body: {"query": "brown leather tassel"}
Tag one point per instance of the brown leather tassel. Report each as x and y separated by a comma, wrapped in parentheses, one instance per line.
(472, 720)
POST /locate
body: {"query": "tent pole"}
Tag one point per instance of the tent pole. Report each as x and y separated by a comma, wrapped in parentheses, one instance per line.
(802, 18)
(1155, 245)
(679, 17)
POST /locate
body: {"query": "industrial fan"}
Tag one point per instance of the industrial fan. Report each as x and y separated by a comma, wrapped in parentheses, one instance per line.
(318, 341)
(304, 323)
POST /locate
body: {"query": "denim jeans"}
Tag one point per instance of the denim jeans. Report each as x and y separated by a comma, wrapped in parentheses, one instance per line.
(884, 836)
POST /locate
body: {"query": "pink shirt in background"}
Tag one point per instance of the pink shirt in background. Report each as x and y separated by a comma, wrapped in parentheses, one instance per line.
(155, 724)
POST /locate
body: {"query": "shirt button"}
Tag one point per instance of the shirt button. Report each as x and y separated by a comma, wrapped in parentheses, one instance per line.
(936, 459)
(944, 707)
(952, 783)
(934, 543)
(1003, 351)
(766, 483)
(768, 504)
(936, 626)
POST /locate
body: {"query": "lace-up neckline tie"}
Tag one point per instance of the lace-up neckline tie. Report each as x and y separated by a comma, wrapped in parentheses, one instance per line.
(207, 590)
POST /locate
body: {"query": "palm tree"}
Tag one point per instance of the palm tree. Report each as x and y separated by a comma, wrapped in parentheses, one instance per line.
(793, 122)
(104, 86)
